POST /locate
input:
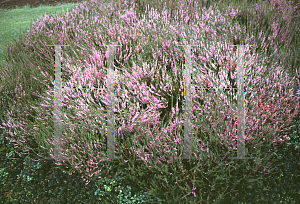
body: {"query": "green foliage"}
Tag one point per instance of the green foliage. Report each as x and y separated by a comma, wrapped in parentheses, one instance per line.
(112, 190)
(27, 181)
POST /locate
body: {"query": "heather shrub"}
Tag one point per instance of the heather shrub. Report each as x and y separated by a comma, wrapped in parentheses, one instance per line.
(149, 99)
(282, 186)
(29, 181)
(274, 18)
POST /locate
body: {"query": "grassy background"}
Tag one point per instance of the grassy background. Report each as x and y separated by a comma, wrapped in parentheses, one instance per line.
(17, 21)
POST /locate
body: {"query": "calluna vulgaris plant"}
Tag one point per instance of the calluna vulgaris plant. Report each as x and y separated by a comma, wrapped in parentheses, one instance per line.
(44, 183)
(149, 98)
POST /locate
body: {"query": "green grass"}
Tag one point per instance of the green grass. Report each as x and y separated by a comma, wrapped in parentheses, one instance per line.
(17, 21)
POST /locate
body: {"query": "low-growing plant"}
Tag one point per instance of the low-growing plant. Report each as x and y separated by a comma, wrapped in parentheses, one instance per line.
(29, 181)
(114, 190)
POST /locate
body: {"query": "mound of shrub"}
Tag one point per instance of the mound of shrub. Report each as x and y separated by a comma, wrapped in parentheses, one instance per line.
(149, 92)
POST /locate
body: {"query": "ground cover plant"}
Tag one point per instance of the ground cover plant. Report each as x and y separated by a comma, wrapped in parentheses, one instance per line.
(95, 56)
